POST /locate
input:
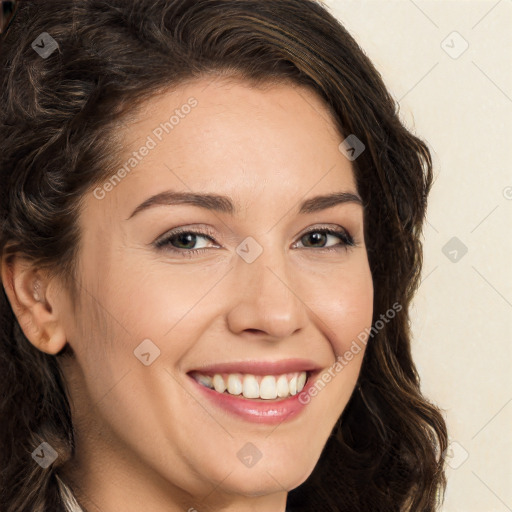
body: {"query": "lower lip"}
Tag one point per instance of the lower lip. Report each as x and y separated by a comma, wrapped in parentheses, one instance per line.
(269, 412)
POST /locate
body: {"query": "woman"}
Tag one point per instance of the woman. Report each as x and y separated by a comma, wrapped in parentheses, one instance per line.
(266, 365)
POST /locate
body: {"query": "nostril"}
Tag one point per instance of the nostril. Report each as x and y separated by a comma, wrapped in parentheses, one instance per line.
(253, 331)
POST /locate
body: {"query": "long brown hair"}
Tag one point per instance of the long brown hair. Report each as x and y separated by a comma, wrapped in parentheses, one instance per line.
(59, 114)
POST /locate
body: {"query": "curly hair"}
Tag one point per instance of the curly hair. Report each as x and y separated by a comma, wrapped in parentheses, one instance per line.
(58, 141)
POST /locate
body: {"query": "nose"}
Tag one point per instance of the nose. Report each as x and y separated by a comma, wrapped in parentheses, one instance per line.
(267, 299)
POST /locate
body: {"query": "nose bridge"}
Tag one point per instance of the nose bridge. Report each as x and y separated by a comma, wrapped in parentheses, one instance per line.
(268, 299)
(268, 273)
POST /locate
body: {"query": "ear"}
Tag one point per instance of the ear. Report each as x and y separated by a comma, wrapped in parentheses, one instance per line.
(33, 304)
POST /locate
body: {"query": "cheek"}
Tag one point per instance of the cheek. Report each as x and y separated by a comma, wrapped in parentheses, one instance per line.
(345, 306)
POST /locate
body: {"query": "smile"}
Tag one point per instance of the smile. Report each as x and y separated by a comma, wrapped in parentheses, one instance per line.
(256, 391)
(267, 387)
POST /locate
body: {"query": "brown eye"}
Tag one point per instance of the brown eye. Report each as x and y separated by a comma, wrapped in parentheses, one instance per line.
(319, 237)
(183, 241)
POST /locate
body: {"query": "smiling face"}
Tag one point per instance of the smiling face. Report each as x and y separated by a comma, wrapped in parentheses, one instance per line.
(251, 284)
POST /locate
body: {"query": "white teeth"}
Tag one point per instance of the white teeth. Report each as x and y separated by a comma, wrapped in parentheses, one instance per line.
(205, 380)
(234, 385)
(268, 387)
(219, 384)
(293, 385)
(283, 389)
(251, 389)
(301, 381)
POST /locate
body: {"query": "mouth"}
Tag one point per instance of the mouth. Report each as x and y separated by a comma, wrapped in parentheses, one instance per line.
(257, 391)
(254, 387)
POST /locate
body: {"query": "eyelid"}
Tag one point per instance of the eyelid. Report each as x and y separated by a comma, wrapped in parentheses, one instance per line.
(326, 227)
(205, 231)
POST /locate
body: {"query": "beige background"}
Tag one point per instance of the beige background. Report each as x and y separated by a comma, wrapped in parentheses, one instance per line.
(461, 103)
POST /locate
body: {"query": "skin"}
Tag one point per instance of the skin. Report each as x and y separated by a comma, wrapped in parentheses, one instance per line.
(146, 440)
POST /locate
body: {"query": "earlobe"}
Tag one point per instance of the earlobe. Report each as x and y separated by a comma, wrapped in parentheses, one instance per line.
(26, 290)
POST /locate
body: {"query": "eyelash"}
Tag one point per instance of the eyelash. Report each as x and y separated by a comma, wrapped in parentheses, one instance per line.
(343, 235)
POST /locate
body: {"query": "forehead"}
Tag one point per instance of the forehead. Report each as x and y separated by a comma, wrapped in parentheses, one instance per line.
(233, 138)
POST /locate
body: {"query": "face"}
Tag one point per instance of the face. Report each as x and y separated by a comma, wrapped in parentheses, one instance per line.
(254, 290)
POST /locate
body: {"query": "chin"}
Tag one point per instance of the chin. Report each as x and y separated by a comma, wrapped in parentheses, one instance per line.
(262, 481)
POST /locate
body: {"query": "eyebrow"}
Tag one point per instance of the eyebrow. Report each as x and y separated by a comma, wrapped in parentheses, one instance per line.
(224, 204)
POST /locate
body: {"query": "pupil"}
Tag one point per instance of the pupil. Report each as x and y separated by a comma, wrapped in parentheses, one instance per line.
(188, 237)
(317, 236)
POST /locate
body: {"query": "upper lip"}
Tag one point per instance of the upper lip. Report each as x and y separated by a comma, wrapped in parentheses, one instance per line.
(258, 367)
